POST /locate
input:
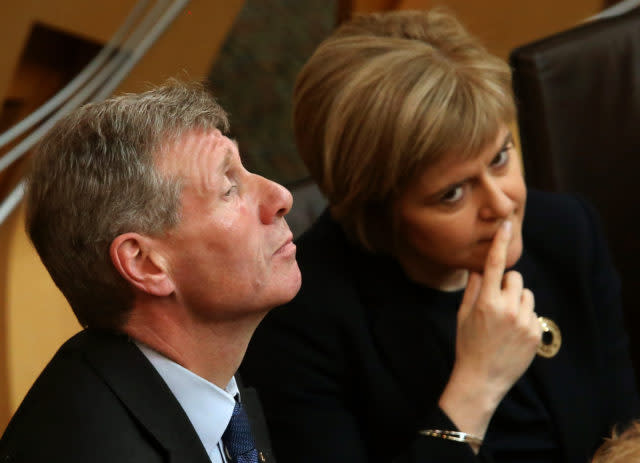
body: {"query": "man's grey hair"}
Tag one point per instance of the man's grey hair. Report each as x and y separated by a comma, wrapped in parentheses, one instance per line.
(94, 177)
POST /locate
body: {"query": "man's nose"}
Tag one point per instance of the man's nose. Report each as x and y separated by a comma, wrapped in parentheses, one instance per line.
(275, 200)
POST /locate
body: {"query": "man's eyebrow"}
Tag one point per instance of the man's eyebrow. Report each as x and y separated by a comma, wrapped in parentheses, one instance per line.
(229, 154)
(224, 165)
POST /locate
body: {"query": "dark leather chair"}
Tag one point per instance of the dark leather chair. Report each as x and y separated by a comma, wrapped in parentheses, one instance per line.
(578, 97)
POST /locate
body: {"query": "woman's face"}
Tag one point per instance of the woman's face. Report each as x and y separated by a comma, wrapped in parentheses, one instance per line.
(448, 217)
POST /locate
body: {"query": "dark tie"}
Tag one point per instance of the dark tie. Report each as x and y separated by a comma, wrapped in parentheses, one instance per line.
(237, 438)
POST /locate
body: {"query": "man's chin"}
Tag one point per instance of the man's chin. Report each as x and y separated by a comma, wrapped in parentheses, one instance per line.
(291, 286)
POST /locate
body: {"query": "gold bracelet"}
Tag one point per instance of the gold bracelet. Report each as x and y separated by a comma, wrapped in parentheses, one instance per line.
(457, 436)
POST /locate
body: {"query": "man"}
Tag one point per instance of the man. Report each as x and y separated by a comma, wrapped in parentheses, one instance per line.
(170, 254)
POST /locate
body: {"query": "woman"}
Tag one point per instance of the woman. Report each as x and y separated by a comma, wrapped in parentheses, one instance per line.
(408, 340)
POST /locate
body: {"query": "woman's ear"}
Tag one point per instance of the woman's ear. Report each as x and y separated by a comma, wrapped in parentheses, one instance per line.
(135, 258)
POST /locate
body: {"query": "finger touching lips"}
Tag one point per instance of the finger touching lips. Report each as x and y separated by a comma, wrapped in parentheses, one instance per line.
(497, 257)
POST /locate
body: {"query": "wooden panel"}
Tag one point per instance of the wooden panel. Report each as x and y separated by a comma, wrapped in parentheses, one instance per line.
(38, 317)
(187, 47)
(367, 6)
(14, 30)
(96, 21)
(503, 25)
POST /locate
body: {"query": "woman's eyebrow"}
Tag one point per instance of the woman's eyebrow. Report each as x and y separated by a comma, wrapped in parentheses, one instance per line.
(507, 139)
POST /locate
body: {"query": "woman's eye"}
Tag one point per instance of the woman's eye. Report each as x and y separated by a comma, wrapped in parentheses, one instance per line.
(501, 158)
(453, 195)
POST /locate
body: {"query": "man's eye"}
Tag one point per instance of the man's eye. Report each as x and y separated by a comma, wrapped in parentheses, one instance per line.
(231, 190)
(453, 195)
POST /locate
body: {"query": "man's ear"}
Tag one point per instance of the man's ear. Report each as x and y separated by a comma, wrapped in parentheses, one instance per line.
(137, 261)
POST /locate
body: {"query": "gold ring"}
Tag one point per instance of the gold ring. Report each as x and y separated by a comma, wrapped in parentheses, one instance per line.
(551, 339)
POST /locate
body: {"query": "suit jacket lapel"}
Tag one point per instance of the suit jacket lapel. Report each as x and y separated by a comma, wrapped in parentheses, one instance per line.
(141, 389)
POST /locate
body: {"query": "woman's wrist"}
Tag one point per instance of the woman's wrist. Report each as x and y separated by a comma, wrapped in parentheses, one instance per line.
(474, 442)
(469, 403)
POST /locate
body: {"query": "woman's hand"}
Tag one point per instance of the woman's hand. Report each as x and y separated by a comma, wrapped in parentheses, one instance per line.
(497, 336)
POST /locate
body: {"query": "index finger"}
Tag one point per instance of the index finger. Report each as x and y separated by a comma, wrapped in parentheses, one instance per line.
(497, 258)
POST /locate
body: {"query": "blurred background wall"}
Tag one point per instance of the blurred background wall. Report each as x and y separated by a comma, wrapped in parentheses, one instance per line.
(243, 48)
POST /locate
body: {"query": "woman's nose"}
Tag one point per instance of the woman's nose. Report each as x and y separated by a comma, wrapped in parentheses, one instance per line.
(275, 200)
(496, 202)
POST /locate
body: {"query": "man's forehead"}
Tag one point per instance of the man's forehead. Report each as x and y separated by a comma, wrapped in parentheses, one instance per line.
(195, 141)
(199, 146)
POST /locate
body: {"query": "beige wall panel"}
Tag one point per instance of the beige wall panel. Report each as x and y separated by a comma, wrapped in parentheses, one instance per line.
(95, 20)
(367, 6)
(4, 348)
(189, 47)
(38, 319)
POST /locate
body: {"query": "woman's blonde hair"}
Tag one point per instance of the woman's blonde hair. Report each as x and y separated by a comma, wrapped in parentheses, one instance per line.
(620, 448)
(386, 96)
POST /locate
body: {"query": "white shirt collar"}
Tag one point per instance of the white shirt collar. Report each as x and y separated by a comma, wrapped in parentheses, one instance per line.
(208, 407)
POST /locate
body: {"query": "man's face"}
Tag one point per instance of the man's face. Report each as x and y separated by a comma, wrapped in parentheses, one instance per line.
(232, 251)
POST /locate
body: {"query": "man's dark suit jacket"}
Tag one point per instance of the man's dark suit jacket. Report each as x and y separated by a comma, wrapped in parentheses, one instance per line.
(100, 400)
(349, 371)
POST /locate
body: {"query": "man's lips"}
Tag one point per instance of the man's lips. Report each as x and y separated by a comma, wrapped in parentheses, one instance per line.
(287, 247)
